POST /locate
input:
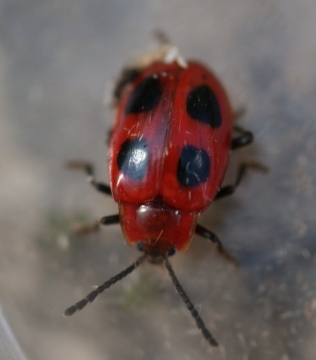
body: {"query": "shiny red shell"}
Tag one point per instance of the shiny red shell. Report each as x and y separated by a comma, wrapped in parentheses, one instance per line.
(148, 140)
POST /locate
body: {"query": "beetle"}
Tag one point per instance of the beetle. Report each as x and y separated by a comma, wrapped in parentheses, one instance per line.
(169, 151)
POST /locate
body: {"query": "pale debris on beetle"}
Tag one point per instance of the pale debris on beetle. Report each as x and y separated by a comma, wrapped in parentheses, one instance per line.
(165, 52)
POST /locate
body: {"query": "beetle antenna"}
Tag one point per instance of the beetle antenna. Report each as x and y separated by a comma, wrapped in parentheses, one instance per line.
(90, 297)
(199, 322)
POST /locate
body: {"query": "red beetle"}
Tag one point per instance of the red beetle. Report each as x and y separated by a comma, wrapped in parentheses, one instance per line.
(169, 152)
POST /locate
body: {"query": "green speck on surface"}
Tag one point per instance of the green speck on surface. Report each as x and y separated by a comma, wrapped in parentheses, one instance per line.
(140, 293)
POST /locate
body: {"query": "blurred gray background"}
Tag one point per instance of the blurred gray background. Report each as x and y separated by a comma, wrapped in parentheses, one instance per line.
(58, 61)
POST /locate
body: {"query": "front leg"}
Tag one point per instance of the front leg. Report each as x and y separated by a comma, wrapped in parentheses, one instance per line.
(85, 229)
(202, 231)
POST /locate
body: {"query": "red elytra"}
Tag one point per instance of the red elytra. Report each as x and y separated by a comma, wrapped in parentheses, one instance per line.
(169, 152)
(156, 209)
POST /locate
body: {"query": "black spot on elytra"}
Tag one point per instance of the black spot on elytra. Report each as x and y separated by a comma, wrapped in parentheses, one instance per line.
(127, 76)
(194, 166)
(203, 106)
(145, 97)
(132, 158)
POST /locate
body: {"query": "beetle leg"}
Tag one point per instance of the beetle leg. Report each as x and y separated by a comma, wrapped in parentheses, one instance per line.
(202, 231)
(85, 229)
(110, 219)
(88, 168)
(245, 138)
(230, 189)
